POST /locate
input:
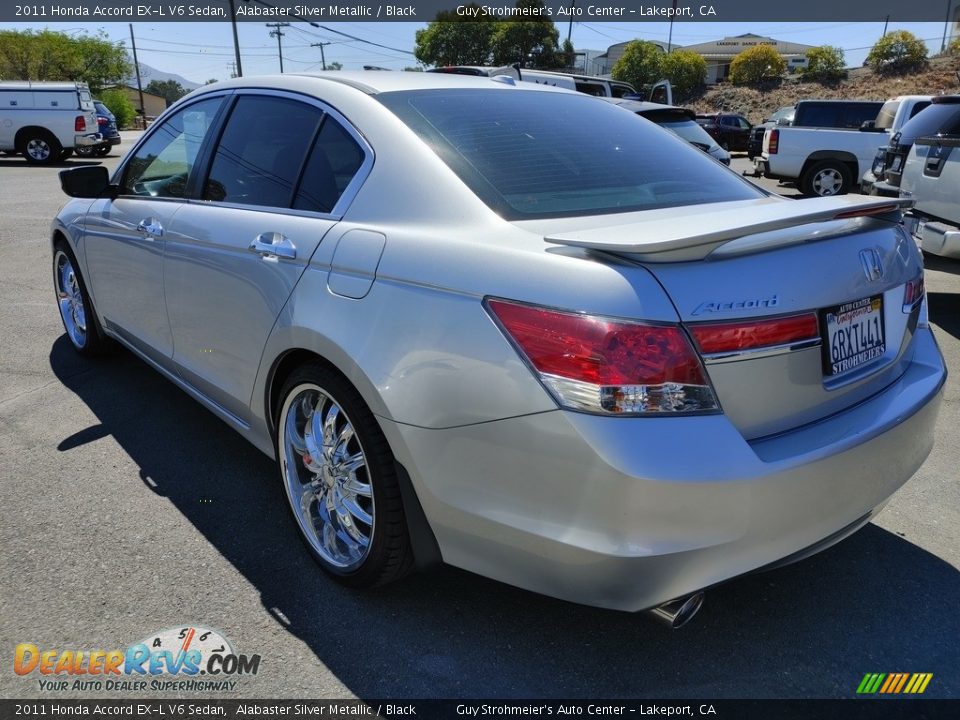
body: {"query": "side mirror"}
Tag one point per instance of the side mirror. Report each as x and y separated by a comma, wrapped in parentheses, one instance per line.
(783, 121)
(91, 181)
(868, 126)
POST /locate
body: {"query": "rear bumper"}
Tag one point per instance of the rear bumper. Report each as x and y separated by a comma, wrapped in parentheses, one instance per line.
(87, 140)
(934, 236)
(885, 189)
(627, 513)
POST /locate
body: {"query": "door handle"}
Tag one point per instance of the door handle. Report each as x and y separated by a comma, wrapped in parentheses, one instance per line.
(273, 245)
(151, 227)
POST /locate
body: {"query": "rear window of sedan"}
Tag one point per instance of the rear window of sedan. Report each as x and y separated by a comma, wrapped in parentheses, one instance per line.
(537, 155)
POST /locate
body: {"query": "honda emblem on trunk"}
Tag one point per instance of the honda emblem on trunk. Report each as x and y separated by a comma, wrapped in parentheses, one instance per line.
(872, 264)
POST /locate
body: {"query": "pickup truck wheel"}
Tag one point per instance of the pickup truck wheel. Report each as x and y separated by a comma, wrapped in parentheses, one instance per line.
(825, 179)
(40, 148)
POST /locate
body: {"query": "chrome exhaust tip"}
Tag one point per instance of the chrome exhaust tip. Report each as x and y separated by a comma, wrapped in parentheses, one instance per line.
(677, 613)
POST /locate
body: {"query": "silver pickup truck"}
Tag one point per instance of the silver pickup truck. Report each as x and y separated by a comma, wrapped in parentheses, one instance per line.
(931, 177)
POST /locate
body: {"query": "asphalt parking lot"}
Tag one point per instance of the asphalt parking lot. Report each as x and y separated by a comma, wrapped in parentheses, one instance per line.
(128, 509)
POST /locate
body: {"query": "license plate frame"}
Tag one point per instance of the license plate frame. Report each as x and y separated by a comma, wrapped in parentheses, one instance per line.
(852, 325)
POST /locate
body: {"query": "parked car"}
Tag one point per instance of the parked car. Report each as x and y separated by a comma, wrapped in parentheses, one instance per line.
(931, 178)
(731, 131)
(940, 117)
(783, 116)
(679, 121)
(46, 121)
(825, 149)
(565, 359)
(107, 124)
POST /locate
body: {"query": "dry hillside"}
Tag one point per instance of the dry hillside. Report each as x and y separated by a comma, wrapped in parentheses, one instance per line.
(941, 76)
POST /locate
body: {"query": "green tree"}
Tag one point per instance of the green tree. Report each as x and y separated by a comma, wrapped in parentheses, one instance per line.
(685, 70)
(756, 64)
(532, 43)
(417, 68)
(824, 63)
(119, 104)
(334, 65)
(456, 40)
(170, 90)
(640, 65)
(897, 52)
(211, 81)
(954, 47)
(49, 55)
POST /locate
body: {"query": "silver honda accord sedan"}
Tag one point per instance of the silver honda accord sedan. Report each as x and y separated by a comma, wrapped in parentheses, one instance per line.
(511, 328)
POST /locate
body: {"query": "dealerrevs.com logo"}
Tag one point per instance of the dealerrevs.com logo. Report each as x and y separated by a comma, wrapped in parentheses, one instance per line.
(185, 658)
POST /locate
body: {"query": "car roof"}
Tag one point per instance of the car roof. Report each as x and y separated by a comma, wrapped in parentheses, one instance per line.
(640, 106)
(373, 82)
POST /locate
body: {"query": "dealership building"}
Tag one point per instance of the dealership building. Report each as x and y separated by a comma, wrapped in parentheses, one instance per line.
(720, 53)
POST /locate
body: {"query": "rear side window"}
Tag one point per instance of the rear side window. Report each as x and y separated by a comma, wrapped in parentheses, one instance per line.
(335, 159)
(537, 155)
(261, 151)
(858, 113)
(162, 165)
(937, 119)
(815, 115)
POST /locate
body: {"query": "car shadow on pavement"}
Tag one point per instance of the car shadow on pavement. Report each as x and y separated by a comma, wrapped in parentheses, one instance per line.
(944, 311)
(69, 163)
(942, 264)
(874, 603)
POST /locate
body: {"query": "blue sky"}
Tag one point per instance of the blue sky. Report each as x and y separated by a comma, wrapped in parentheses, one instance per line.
(200, 51)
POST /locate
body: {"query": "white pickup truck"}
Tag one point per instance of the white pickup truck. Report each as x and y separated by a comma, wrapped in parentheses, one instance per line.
(829, 145)
(931, 178)
(45, 121)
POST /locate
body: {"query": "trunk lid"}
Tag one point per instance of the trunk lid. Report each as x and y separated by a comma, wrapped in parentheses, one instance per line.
(770, 259)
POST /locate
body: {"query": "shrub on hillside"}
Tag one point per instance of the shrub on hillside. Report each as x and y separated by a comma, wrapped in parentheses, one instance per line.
(757, 64)
(897, 52)
(824, 63)
(685, 70)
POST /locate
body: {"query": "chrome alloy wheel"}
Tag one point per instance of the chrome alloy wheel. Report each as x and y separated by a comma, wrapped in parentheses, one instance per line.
(827, 182)
(70, 299)
(39, 149)
(326, 477)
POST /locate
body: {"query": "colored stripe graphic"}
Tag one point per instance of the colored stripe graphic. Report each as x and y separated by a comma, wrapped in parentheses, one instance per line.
(894, 683)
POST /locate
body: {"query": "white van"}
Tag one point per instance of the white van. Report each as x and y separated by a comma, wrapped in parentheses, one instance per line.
(45, 121)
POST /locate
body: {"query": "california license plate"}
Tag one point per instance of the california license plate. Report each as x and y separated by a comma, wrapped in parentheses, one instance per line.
(853, 335)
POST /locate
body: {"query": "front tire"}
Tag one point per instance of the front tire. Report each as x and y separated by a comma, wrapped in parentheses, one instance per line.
(339, 476)
(76, 309)
(826, 179)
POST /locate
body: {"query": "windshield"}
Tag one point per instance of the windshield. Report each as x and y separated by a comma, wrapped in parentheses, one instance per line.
(530, 154)
(689, 131)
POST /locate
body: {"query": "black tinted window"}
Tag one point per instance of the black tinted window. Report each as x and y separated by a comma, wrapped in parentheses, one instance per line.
(162, 165)
(938, 118)
(333, 162)
(533, 154)
(827, 115)
(261, 151)
(859, 113)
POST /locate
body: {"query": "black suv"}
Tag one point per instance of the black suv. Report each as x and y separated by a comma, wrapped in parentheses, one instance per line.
(941, 117)
(731, 131)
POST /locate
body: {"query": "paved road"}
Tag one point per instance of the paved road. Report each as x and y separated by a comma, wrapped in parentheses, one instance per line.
(129, 509)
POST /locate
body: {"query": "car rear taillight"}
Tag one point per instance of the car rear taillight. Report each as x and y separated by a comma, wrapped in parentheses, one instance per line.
(774, 143)
(741, 336)
(913, 294)
(80, 124)
(102, 121)
(612, 367)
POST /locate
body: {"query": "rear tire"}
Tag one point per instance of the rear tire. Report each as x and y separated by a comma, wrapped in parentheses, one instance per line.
(76, 308)
(102, 151)
(340, 479)
(40, 147)
(826, 178)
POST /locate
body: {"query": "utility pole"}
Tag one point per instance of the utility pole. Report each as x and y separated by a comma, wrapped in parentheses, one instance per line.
(885, 23)
(136, 65)
(238, 71)
(573, 4)
(323, 59)
(946, 26)
(670, 35)
(277, 33)
(233, 69)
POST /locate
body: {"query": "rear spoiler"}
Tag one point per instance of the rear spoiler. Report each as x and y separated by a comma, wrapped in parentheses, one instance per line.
(688, 233)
